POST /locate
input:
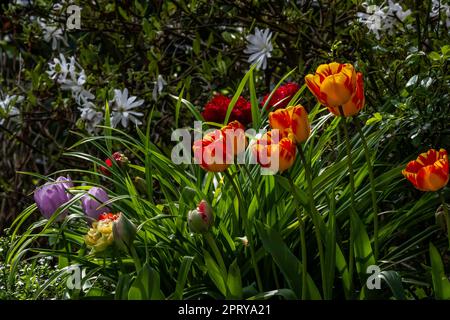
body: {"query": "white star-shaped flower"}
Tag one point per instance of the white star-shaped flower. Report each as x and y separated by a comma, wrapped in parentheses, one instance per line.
(7, 107)
(122, 106)
(259, 48)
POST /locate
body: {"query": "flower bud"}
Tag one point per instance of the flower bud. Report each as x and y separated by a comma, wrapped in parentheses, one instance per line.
(124, 232)
(92, 202)
(201, 219)
(140, 184)
(118, 157)
(52, 195)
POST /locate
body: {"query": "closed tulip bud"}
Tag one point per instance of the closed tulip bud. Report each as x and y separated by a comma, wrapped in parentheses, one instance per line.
(124, 232)
(118, 157)
(440, 217)
(92, 202)
(52, 195)
(338, 86)
(140, 184)
(429, 172)
(291, 120)
(201, 219)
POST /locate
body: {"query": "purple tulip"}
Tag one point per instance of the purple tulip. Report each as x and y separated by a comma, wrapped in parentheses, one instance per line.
(52, 195)
(91, 202)
(66, 182)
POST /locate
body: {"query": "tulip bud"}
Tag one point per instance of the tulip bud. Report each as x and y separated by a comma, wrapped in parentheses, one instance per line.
(440, 218)
(124, 232)
(201, 219)
(52, 195)
(140, 184)
(118, 157)
(92, 201)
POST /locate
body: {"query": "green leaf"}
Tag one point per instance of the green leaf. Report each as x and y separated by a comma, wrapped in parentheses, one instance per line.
(377, 117)
(394, 281)
(177, 107)
(412, 81)
(190, 106)
(182, 276)
(363, 250)
(196, 45)
(146, 286)
(123, 287)
(107, 128)
(288, 294)
(330, 250)
(237, 94)
(434, 56)
(234, 281)
(441, 285)
(256, 116)
(289, 265)
(214, 273)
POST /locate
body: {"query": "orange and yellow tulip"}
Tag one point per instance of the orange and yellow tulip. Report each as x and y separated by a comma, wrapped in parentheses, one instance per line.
(266, 148)
(338, 85)
(429, 172)
(213, 153)
(210, 152)
(292, 120)
(235, 131)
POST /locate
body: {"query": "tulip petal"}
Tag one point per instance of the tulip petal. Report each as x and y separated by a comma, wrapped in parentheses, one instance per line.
(335, 89)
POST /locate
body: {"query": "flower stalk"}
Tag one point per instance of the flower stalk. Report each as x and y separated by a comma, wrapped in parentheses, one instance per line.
(372, 187)
(243, 214)
(212, 243)
(315, 216)
(352, 196)
(447, 218)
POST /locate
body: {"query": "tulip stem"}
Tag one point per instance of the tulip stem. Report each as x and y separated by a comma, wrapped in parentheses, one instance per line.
(352, 197)
(212, 243)
(372, 188)
(447, 218)
(304, 255)
(137, 261)
(315, 215)
(66, 246)
(243, 213)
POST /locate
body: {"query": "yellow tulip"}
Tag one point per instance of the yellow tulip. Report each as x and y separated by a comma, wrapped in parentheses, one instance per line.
(338, 85)
(267, 149)
(292, 120)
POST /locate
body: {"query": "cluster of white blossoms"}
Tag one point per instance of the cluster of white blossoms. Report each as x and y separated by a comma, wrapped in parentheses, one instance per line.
(8, 106)
(71, 77)
(52, 31)
(383, 19)
(439, 10)
(259, 48)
